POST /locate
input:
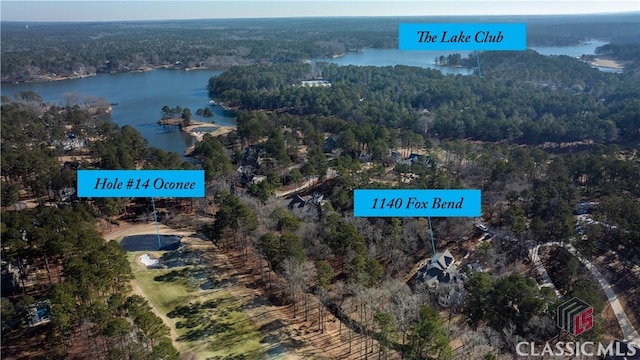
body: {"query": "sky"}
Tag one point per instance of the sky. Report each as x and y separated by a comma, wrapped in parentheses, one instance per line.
(25, 10)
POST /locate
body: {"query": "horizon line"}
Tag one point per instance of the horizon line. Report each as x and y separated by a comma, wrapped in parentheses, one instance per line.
(315, 17)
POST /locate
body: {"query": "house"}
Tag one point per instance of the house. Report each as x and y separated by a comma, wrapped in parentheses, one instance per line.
(416, 159)
(39, 313)
(315, 83)
(253, 156)
(364, 156)
(450, 294)
(395, 156)
(72, 142)
(299, 202)
(440, 277)
(475, 266)
(257, 179)
(585, 207)
(247, 176)
(65, 194)
(440, 269)
(72, 165)
(330, 144)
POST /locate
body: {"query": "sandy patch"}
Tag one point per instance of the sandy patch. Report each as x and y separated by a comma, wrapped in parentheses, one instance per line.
(148, 260)
(608, 63)
(194, 131)
(72, 158)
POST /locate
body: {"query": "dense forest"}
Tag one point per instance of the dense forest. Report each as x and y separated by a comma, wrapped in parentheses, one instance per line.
(522, 97)
(538, 135)
(321, 254)
(87, 286)
(41, 51)
(542, 137)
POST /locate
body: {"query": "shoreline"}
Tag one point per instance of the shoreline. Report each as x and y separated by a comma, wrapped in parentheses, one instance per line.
(215, 131)
(455, 66)
(47, 78)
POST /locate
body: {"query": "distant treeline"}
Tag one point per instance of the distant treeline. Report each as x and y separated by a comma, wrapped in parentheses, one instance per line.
(567, 30)
(40, 51)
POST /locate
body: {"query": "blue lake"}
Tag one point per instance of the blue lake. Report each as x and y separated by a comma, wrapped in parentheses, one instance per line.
(392, 57)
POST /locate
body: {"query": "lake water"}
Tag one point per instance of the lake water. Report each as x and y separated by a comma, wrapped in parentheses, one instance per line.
(392, 57)
(586, 48)
(426, 59)
(141, 96)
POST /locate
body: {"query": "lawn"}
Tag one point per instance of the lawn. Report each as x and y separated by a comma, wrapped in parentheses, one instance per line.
(206, 318)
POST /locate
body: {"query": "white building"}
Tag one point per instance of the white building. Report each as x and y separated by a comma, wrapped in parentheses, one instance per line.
(315, 83)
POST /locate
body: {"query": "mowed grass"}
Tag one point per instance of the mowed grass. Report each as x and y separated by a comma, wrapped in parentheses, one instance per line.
(208, 323)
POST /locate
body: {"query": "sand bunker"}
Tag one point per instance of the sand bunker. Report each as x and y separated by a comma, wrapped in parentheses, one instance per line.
(148, 260)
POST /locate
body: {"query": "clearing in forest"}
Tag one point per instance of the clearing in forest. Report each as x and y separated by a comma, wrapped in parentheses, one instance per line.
(206, 320)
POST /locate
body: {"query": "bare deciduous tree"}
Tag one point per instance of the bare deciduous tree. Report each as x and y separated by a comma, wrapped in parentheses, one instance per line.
(298, 276)
(404, 306)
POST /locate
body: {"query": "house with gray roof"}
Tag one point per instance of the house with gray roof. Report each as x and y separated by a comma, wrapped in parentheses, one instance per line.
(441, 278)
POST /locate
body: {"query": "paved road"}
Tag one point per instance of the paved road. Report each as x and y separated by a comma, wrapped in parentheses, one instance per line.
(311, 180)
(628, 331)
(304, 185)
(546, 279)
